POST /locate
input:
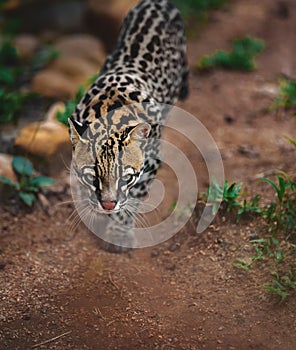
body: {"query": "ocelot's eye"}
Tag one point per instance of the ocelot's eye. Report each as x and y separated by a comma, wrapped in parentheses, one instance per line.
(127, 178)
(89, 178)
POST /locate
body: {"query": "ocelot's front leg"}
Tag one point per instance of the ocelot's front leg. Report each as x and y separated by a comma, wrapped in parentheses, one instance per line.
(119, 234)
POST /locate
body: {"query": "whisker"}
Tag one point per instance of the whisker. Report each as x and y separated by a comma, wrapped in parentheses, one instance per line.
(138, 219)
(77, 219)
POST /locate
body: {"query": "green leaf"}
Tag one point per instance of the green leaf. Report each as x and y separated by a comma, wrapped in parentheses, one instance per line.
(277, 291)
(39, 181)
(275, 241)
(22, 166)
(27, 198)
(278, 255)
(279, 190)
(293, 142)
(7, 75)
(9, 182)
(282, 188)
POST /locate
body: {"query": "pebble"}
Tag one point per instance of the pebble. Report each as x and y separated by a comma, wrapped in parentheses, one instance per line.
(170, 267)
(154, 253)
(174, 246)
(229, 119)
(6, 169)
(26, 45)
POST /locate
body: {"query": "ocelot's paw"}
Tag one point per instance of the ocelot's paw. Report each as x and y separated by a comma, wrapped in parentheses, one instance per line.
(112, 248)
(121, 241)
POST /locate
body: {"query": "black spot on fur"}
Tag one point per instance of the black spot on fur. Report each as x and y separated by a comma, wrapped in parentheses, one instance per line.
(115, 105)
(86, 98)
(135, 96)
(139, 38)
(148, 57)
(147, 26)
(85, 113)
(143, 64)
(95, 91)
(150, 47)
(97, 108)
(135, 50)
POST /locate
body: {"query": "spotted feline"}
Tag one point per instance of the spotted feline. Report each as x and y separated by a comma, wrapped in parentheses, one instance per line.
(115, 127)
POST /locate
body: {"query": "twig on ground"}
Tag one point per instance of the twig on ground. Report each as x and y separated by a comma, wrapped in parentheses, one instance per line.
(51, 340)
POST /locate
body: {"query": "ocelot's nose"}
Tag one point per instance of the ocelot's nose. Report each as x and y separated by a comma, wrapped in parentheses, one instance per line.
(108, 205)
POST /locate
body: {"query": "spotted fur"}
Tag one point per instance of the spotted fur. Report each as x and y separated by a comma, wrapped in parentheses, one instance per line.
(115, 127)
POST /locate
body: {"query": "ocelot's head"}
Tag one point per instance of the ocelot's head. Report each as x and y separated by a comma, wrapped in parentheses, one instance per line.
(108, 163)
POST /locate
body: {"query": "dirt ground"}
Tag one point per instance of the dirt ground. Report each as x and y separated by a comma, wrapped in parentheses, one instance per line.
(59, 290)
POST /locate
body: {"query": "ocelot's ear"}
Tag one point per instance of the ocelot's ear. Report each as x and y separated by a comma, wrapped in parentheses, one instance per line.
(77, 130)
(140, 132)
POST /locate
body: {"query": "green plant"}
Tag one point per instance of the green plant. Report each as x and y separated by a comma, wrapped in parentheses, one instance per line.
(70, 106)
(249, 207)
(240, 57)
(281, 214)
(191, 8)
(227, 194)
(14, 72)
(292, 142)
(282, 285)
(286, 98)
(27, 184)
(10, 104)
(277, 223)
(63, 117)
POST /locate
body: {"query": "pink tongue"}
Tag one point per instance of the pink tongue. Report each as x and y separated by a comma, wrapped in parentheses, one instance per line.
(108, 205)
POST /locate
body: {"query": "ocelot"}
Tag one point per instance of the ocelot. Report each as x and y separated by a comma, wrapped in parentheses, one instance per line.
(115, 127)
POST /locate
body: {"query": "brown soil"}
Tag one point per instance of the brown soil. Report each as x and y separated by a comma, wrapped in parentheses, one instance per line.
(61, 291)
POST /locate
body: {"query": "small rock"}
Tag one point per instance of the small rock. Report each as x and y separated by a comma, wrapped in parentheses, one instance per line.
(78, 46)
(26, 317)
(44, 203)
(52, 83)
(6, 169)
(174, 246)
(26, 45)
(254, 235)
(249, 151)
(47, 142)
(154, 253)
(170, 267)
(229, 119)
(44, 310)
(2, 265)
(77, 69)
